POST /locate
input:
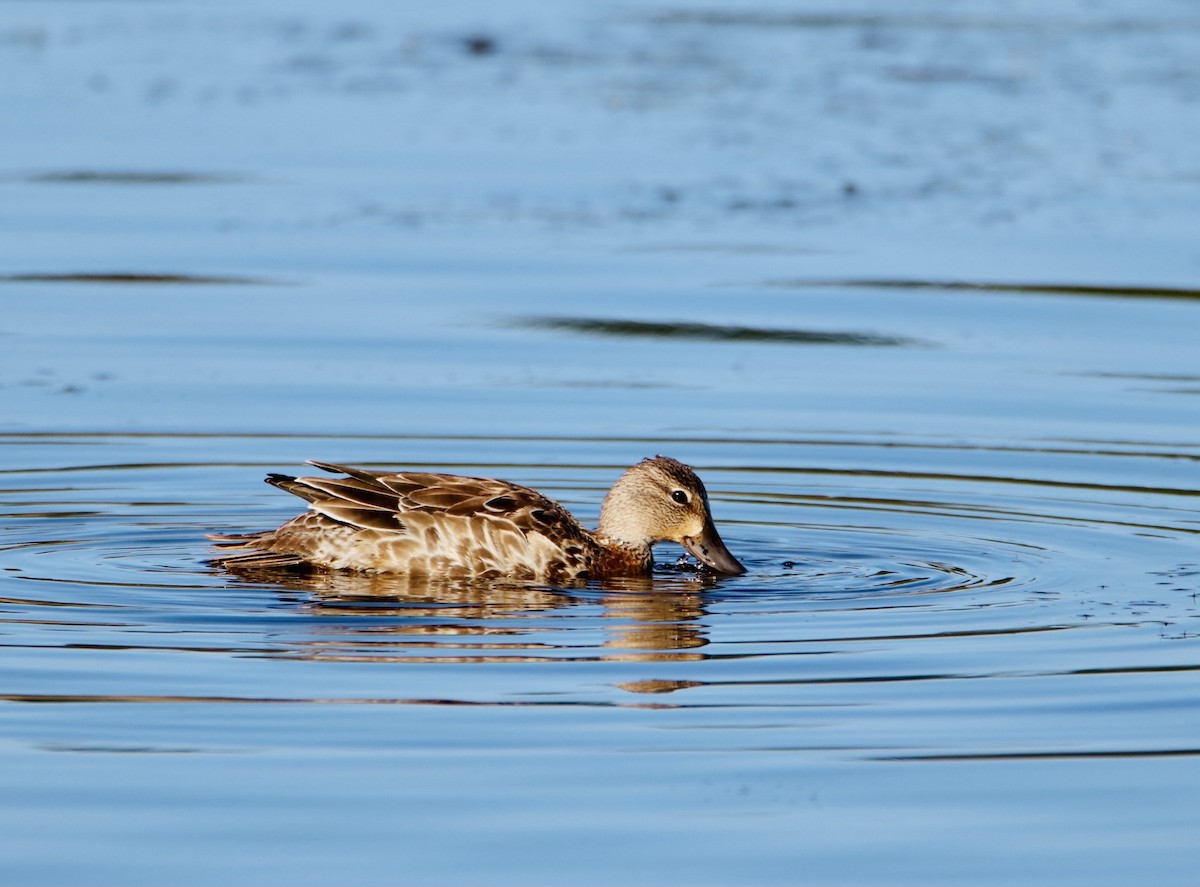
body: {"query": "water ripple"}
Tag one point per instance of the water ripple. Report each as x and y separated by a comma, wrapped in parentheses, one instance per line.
(978, 553)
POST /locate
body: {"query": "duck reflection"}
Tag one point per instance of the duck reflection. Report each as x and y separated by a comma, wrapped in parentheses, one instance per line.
(649, 625)
(413, 618)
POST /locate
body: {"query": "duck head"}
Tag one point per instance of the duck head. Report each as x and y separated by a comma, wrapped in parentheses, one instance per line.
(662, 500)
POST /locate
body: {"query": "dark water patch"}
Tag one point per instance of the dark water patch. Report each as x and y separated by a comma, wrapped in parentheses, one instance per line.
(114, 749)
(759, 19)
(939, 74)
(709, 332)
(138, 278)
(608, 384)
(1065, 754)
(1162, 383)
(1143, 377)
(730, 248)
(480, 44)
(1046, 289)
(41, 602)
(134, 177)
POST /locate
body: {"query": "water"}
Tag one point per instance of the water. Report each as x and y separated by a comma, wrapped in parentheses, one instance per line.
(916, 294)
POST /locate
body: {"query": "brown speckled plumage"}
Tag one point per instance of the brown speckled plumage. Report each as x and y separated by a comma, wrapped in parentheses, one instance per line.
(446, 525)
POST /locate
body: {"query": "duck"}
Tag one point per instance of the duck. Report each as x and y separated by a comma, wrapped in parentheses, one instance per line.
(420, 523)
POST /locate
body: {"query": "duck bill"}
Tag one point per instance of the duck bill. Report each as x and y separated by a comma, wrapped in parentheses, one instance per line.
(708, 548)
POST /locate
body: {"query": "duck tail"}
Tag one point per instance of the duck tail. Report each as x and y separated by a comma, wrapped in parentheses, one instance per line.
(246, 551)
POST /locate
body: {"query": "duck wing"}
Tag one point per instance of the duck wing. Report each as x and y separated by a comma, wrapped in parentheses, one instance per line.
(379, 500)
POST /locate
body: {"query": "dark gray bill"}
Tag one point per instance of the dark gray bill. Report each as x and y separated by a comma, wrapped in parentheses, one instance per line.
(708, 548)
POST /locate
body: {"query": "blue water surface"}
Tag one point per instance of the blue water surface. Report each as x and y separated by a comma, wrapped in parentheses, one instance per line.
(915, 290)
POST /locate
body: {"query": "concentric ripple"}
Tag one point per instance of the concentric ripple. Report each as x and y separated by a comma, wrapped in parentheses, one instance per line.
(982, 543)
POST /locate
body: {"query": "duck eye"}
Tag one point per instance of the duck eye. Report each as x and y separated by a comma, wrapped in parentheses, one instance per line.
(680, 496)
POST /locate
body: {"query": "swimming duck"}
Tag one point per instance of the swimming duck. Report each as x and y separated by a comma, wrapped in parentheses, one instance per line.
(442, 524)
